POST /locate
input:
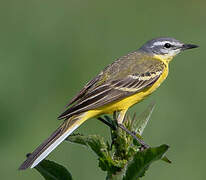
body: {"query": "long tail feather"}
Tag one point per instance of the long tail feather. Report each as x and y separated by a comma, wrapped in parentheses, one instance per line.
(53, 141)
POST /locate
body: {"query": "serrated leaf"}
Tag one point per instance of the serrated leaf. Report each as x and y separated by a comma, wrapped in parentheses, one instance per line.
(98, 145)
(141, 121)
(78, 139)
(53, 171)
(142, 160)
(95, 142)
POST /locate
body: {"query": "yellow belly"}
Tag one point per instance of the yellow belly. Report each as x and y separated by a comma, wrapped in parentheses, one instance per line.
(128, 101)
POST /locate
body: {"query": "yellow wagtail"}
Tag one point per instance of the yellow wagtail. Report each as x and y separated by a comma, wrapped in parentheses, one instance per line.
(125, 82)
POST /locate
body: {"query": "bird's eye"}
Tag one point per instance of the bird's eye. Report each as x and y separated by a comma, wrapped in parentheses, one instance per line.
(167, 45)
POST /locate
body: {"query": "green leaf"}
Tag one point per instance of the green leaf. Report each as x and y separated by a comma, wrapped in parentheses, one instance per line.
(95, 142)
(100, 147)
(142, 160)
(141, 121)
(53, 171)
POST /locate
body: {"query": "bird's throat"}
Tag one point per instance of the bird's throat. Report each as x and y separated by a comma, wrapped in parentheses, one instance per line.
(164, 58)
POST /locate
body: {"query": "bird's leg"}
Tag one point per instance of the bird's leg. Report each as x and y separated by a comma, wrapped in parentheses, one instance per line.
(114, 124)
(120, 120)
(140, 141)
(121, 116)
(117, 119)
(107, 122)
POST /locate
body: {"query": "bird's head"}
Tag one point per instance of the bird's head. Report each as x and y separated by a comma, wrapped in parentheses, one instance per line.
(165, 48)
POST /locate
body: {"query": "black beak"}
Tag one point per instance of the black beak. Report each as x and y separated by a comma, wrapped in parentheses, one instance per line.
(188, 46)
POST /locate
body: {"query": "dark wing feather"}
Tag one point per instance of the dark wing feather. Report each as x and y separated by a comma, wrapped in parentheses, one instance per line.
(113, 91)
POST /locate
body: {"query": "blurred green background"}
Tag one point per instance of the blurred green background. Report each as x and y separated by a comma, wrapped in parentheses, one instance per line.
(50, 49)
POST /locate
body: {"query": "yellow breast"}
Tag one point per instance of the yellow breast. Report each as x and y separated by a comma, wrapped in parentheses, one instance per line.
(133, 99)
(130, 100)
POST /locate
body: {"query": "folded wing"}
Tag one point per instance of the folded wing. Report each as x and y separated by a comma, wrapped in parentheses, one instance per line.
(113, 91)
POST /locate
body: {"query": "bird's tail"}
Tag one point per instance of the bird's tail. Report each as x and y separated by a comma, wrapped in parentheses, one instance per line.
(53, 141)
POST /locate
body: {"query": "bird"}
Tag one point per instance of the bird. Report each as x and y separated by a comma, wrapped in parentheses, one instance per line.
(120, 85)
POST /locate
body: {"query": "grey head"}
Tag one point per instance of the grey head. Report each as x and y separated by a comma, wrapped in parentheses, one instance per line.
(165, 46)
